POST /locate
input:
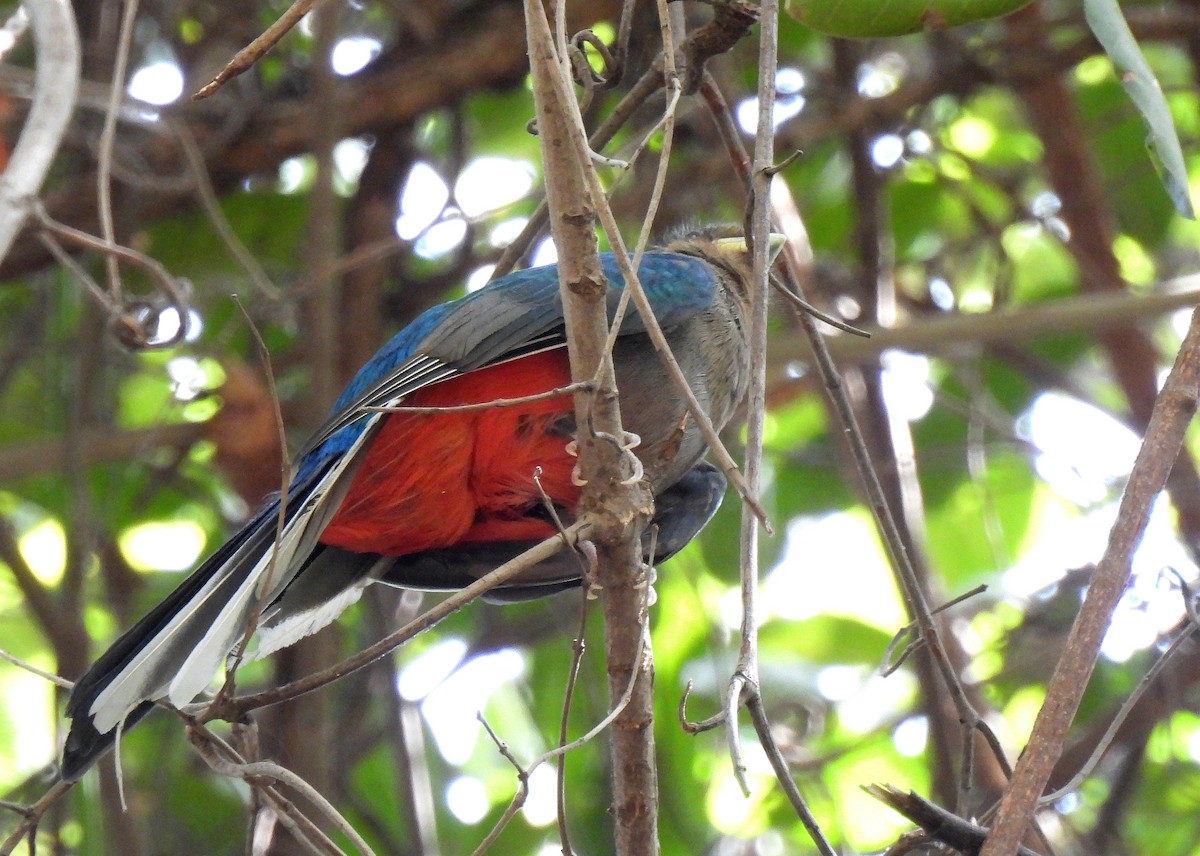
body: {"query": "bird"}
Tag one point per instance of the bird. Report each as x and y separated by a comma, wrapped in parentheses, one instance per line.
(434, 500)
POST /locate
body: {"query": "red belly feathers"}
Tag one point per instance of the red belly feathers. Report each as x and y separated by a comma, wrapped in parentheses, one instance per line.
(439, 480)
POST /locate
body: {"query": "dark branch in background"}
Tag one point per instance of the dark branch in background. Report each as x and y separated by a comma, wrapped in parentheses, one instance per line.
(405, 737)
(477, 49)
(1071, 171)
(888, 436)
(309, 726)
(96, 446)
(939, 824)
(913, 594)
(943, 335)
(66, 637)
(371, 222)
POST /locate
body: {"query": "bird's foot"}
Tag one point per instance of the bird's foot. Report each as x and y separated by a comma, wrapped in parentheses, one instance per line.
(626, 445)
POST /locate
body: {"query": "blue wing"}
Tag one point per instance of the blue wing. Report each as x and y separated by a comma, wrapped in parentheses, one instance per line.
(516, 315)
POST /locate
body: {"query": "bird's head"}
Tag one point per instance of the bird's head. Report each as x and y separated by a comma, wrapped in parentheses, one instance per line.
(726, 248)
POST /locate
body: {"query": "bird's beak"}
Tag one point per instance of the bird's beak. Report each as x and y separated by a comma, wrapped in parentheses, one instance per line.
(775, 242)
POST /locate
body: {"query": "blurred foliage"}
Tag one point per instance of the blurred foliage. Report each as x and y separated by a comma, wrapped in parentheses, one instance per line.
(971, 222)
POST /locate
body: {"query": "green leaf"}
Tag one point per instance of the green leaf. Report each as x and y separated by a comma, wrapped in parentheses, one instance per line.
(865, 19)
(980, 525)
(1115, 133)
(825, 639)
(1110, 28)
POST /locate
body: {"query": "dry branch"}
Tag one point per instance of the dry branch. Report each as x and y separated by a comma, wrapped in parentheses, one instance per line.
(620, 510)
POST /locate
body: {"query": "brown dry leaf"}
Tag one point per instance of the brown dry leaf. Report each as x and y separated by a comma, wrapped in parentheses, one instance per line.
(246, 435)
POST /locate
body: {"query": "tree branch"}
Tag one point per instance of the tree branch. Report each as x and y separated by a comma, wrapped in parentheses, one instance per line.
(620, 510)
(55, 88)
(1173, 411)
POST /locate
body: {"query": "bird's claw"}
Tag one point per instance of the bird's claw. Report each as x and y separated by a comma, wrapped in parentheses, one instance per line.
(632, 441)
(572, 449)
(649, 578)
(591, 587)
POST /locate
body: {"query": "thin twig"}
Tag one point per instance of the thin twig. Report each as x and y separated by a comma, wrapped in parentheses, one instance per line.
(560, 751)
(33, 814)
(108, 137)
(41, 673)
(744, 683)
(81, 274)
(594, 731)
(225, 760)
(171, 287)
(802, 304)
(577, 649)
(690, 727)
(518, 799)
(505, 573)
(254, 51)
(888, 666)
(270, 770)
(758, 716)
(285, 483)
(212, 208)
(1111, 732)
(578, 386)
(667, 123)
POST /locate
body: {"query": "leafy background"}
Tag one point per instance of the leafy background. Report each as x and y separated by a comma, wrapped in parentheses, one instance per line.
(945, 176)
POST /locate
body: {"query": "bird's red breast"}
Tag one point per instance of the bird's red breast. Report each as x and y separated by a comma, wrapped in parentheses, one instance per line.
(439, 480)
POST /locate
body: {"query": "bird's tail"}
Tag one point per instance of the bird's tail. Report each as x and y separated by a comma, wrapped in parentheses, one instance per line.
(175, 650)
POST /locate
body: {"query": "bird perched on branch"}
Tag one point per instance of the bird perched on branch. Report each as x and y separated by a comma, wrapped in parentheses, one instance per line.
(435, 500)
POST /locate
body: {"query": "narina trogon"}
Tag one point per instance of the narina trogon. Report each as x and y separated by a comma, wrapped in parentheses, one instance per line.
(436, 500)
